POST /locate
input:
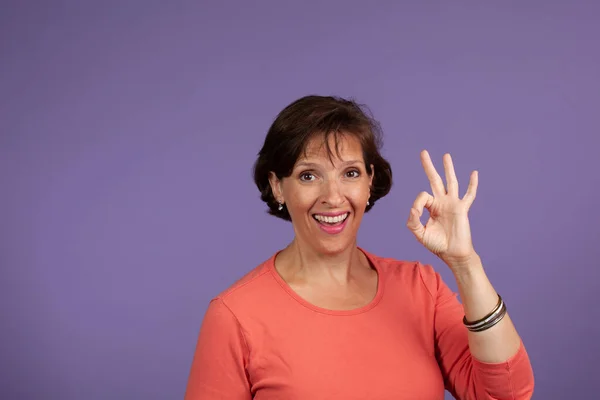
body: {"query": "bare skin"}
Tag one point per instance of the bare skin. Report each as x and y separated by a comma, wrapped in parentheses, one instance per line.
(447, 234)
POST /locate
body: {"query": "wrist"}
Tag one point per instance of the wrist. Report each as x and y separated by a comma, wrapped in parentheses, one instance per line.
(466, 266)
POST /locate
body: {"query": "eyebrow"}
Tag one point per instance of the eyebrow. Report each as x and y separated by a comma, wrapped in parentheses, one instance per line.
(314, 165)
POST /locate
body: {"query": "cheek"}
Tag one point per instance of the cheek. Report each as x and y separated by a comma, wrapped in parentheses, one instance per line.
(360, 193)
(301, 199)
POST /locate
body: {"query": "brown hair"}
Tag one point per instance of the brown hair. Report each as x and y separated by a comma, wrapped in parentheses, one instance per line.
(307, 117)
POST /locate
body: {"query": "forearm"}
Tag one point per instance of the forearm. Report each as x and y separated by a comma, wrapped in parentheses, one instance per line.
(498, 343)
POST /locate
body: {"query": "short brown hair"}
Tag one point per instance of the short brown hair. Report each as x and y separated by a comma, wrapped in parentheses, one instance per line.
(307, 117)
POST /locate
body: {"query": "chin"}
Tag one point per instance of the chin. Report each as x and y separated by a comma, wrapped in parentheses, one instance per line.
(334, 246)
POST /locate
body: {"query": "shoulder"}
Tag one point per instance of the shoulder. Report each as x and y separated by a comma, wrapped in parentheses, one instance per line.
(406, 272)
(250, 291)
(391, 265)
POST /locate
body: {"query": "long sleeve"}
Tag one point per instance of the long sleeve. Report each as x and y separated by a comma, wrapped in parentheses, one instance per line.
(218, 368)
(466, 377)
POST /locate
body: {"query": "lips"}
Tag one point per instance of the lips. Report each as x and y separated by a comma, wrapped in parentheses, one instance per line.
(332, 223)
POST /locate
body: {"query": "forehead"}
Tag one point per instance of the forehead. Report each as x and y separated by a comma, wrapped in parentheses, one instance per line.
(333, 147)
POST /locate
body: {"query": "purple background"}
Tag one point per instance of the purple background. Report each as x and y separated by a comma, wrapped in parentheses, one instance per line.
(128, 132)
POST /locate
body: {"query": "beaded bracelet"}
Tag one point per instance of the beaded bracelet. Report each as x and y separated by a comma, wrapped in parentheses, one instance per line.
(489, 320)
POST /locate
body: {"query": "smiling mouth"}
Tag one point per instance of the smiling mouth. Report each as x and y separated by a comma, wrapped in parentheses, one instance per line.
(331, 221)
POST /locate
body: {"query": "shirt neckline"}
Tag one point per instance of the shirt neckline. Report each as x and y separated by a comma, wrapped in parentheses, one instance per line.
(284, 285)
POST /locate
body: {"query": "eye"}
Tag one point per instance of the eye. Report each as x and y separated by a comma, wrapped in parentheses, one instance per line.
(307, 177)
(353, 173)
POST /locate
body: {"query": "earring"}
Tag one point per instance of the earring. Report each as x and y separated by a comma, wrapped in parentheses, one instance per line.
(368, 203)
(280, 206)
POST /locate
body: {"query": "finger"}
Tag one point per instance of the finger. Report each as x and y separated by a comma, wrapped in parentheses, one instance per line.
(424, 200)
(451, 181)
(472, 189)
(437, 185)
(415, 225)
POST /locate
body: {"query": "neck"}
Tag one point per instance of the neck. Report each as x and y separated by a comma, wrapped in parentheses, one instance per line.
(304, 261)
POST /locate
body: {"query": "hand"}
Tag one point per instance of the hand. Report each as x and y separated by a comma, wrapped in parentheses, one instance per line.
(447, 233)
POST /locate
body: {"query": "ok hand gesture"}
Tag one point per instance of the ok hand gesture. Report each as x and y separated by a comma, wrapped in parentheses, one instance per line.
(447, 233)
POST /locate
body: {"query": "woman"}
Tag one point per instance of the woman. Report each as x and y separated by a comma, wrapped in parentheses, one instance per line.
(326, 319)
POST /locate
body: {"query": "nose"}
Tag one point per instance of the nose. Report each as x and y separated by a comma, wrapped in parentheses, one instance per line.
(332, 194)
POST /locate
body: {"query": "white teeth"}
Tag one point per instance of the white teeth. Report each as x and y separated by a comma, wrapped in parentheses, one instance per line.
(331, 220)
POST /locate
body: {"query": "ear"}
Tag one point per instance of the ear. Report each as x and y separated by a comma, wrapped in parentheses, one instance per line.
(275, 183)
(372, 175)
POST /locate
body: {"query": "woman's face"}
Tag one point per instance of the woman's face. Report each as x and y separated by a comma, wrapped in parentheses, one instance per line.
(326, 196)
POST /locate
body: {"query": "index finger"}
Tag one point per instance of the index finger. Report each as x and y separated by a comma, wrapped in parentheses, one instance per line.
(437, 185)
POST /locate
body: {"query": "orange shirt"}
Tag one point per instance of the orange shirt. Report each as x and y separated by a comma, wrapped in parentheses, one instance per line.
(259, 340)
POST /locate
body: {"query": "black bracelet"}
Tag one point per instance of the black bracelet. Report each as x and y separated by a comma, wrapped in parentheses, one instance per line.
(479, 321)
(489, 320)
(491, 323)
